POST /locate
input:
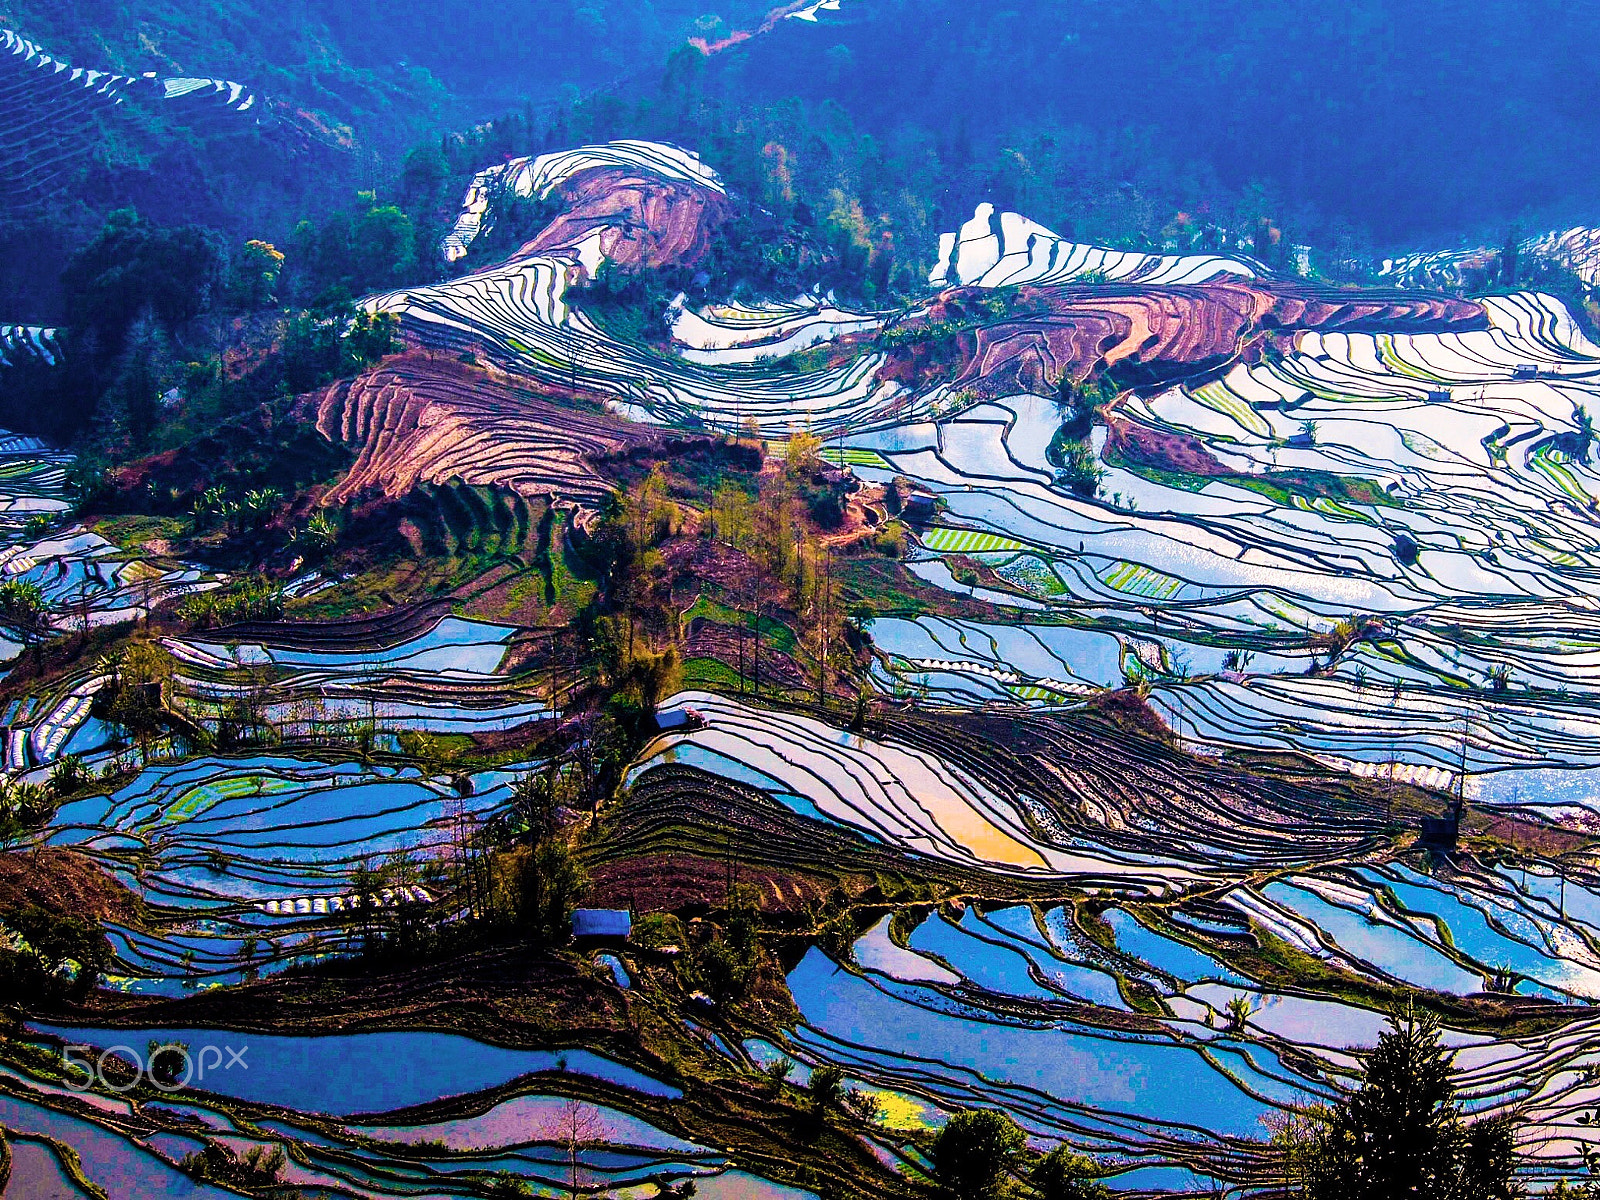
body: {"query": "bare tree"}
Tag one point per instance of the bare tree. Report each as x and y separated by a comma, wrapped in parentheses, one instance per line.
(577, 1124)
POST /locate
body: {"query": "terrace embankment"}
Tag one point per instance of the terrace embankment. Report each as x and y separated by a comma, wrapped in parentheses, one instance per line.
(417, 419)
(1147, 336)
(66, 883)
(645, 220)
(680, 838)
(1078, 777)
(366, 631)
(509, 993)
(1134, 792)
(514, 997)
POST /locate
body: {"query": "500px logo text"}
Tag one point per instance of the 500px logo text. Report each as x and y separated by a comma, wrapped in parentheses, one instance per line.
(168, 1066)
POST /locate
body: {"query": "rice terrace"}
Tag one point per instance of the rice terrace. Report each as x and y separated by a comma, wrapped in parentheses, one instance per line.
(591, 608)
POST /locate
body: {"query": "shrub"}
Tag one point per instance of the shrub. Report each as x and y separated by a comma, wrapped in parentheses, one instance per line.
(1063, 1175)
(58, 955)
(69, 775)
(890, 541)
(1080, 469)
(975, 1151)
(827, 1088)
(320, 534)
(253, 599)
(21, 600)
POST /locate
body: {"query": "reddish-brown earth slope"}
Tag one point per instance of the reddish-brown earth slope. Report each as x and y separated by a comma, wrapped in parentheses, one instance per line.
(66, 883)
(1152, 335)
(415, 420)
(645, 221)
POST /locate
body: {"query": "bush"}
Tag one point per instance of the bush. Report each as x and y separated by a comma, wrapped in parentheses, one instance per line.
(975, 1151)
(537, 889)
(1080, 469)
(1063, 1175)
(827, 1088)
(68, 776)
(656, 930)
(58, 955)
(259, 1168)
(890, 541)
(320, 535)
(254, 599)
(826, 506)
(725, 969)
(21, 601)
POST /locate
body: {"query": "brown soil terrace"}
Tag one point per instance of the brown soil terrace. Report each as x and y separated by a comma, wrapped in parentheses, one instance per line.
(645, 221)
(66, 883)
(1153, 335)
(416, 420)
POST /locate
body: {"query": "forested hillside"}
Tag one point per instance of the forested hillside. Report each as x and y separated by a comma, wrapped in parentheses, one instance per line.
(1411, 121)
(389, 72)
(1361, 134)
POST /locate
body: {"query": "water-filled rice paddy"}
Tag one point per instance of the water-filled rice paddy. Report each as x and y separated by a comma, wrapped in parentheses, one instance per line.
(370, 1076)
(262, 850)
(1247, 574)
(1418, 480)
(1020, 1007)
(348, 1074)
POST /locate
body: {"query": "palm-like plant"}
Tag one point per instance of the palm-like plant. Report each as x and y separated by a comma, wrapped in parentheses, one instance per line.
(1239, 1010)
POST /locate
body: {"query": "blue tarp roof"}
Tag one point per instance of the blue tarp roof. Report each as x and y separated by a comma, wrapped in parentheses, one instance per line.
(601, 922)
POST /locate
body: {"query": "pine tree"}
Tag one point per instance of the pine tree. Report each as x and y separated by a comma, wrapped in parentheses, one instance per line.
(1401, 1133)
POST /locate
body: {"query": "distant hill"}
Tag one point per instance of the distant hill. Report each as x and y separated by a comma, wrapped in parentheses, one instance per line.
(387, 71)
(1417, 122)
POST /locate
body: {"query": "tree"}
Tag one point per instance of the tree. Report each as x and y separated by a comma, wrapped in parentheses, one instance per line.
(732, 515)
(133, 696)
(21, 601)
(1296, 1139)
(577, 1124)
(536, 803)
(1064, 1175)
(133, 266)
(382, 248)
(142, 375)
(1239, 1009)
(975, 1151)
(506, 1186)
(69, 775)
(803, 455)
(1489, 1162)
(1080, 469)
(1586, 1189)
(253, 276)
(57, 955)
(819, 611)
(537, 889)
(1401, 1134)
(1508, 258)
(423, 178)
